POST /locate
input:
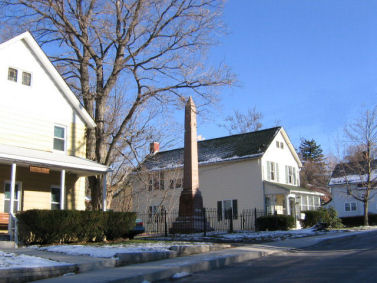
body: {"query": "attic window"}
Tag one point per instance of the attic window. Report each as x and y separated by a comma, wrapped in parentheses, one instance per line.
(12, 74)
(26, 78)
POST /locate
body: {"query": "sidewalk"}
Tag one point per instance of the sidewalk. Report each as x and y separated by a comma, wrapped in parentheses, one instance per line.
(157, 270)
(91, 269)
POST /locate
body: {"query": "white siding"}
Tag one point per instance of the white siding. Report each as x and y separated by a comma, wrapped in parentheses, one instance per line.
(28, 113)
(282, 156)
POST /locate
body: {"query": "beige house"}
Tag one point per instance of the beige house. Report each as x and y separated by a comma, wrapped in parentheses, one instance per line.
(42, 133)
(239, 172)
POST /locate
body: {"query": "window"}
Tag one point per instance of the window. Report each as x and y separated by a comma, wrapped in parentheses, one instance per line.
(26, 78)
(350, 206)
(16, 197)
(171, 184)
(12, 74)
(290, 175)
(59, 138)
(272, 171)
(304, 203)
(179, 183)
(279, 144)
(156, 213)
(226, 209)
(156, 181)
(55, 198)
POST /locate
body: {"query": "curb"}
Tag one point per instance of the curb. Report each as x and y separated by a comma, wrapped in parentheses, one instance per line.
(121, 259)
(30, 274)
(166, 268)
(175, 251)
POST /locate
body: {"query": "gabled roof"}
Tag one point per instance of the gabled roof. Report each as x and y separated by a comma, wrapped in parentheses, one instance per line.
(352, 172)
(59, 81)
(230, 148)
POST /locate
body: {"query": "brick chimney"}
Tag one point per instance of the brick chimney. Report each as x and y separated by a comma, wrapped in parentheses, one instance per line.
(154, 147)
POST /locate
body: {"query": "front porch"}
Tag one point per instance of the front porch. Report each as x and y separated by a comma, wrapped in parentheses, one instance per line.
(290, 200)
(33, 179)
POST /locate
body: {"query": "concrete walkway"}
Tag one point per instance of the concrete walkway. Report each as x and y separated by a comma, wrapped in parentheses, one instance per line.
(92, 269)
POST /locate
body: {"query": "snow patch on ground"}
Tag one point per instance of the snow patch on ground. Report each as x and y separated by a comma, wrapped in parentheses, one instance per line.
(247, 236)
(11, 260)
(180, 275)
(109, 251)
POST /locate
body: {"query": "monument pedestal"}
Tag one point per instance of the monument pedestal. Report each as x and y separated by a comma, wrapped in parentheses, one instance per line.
(191, 217)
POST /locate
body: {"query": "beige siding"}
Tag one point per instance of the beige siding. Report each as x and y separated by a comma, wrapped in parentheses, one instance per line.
(36, 132)
(240, 180)
(36, 188)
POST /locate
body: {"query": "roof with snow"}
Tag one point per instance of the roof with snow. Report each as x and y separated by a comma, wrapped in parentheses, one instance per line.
(230, 148)
(353, 172)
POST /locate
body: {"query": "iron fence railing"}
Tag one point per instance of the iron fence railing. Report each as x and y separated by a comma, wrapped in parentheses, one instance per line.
(209, 219)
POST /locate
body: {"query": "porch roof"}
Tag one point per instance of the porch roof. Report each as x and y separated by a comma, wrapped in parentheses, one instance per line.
(292, 189)
(54, 160)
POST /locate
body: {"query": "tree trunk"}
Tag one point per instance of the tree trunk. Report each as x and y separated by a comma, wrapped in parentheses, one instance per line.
(366, 221)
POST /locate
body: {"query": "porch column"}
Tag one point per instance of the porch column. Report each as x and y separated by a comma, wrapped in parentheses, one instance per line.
(62, 189)
(12, 188)
(104, 192)
(288, 209)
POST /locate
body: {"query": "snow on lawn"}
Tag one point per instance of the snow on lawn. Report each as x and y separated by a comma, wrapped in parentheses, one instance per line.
(109, 251)
(247, 236)
(11, 260)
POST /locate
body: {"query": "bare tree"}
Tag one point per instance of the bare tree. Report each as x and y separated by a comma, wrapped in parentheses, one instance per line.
(155, 48)
(242, 123)
(362, 136)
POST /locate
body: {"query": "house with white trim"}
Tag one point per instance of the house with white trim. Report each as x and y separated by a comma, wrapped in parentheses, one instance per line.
(246, 171)
(42, 133)
(349, 180)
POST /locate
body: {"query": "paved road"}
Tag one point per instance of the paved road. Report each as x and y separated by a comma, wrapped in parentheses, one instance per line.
(352, 259)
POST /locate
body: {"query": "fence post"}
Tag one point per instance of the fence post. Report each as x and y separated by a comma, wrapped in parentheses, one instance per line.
(255, 219)
(166, 223)
(231, 221)
(204, 222)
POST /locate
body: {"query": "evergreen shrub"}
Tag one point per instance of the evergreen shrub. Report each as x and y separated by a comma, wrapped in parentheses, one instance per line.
(328, 216)
(275, 222)
(71, 226)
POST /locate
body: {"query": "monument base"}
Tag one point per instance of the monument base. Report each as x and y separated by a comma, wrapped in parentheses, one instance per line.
(190, 224)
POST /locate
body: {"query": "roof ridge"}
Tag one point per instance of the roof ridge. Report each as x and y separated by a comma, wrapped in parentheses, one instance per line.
(223, 137)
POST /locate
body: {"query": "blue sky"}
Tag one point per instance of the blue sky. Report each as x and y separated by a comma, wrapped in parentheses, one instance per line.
(310, 64)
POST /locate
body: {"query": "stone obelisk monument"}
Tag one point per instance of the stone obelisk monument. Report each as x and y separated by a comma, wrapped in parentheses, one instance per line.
(190, 218)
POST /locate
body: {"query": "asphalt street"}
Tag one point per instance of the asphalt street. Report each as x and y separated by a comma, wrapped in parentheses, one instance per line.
(351, 259)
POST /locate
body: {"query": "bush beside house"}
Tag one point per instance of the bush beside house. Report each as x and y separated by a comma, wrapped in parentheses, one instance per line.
(70, 226)
(329, 216)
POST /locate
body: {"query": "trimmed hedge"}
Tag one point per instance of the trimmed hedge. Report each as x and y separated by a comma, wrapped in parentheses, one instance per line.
(322, 215)
(359, 220)
(275, 222)
(70, 226)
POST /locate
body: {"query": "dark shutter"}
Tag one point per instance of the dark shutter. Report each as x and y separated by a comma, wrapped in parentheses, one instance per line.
(235, 209)
(219, 210)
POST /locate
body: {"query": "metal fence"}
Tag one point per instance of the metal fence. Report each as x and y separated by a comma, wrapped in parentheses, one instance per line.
(209, 219)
